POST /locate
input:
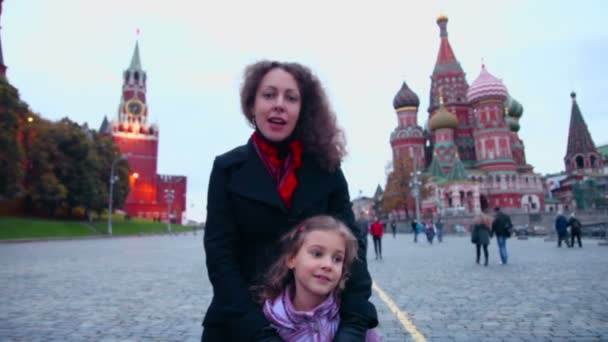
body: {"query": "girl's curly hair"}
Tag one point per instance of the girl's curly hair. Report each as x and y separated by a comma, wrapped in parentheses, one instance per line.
(316, 127)
(279, 276)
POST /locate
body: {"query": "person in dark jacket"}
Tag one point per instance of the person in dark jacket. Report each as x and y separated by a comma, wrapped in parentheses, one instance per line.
(480, 235)
(575, 230)
(501, 227)
(415, 229)
(288, 170)
(439, 227)
(394, 228)
(561, 227)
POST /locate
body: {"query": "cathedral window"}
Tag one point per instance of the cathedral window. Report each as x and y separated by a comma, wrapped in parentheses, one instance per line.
(592, 159)
(136, 76)
(580, 162)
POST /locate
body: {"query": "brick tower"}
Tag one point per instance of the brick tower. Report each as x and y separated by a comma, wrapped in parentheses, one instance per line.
(150, 192)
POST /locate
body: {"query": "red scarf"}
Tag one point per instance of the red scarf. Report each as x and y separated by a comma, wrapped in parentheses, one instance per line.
(282, 171)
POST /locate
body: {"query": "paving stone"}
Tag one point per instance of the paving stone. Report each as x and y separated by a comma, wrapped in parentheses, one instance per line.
(155, 288)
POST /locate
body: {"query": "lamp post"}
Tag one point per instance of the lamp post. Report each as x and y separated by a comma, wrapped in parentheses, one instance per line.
(169, 197)
(415, 185)
(111, 197)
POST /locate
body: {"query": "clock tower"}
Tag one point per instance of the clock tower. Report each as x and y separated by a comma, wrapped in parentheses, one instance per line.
(151, 194)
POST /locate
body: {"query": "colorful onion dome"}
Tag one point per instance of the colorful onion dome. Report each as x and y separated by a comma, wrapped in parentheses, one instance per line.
(443, 118)
(514, 108)
(486, 86)
(405, 97)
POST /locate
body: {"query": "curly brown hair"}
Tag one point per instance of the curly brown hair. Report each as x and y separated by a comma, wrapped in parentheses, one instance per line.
(279, 276)
(316, 127)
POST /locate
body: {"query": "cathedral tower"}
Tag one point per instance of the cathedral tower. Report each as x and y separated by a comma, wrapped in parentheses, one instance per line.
(487, 95)
(449, 76)
(581, 156)
(407, 140)
(442, 124)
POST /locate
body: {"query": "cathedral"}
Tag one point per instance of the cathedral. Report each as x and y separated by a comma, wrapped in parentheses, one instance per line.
(470, 152)
(152, 196)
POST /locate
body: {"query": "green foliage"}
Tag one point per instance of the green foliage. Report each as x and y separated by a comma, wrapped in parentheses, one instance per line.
(12, 115)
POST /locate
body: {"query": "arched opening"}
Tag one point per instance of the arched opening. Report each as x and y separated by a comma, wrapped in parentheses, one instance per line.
(580, 162)
(593, 161)
(483, 203)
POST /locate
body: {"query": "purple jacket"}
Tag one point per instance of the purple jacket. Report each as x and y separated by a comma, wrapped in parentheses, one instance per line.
(318, 325)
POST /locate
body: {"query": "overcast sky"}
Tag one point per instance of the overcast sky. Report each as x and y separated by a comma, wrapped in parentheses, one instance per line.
(66, 57)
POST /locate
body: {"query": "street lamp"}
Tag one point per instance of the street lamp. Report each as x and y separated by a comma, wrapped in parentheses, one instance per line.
(415, 185)
(169, 197)
(111, 197)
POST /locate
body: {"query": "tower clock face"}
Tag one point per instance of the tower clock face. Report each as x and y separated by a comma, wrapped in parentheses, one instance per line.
(134, 107)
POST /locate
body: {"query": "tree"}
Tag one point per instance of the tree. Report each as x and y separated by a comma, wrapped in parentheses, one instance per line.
(378, 201)
(13, 113)
(398, 190)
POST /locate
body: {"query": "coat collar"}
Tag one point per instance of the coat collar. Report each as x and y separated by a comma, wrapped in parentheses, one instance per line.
(252, 180)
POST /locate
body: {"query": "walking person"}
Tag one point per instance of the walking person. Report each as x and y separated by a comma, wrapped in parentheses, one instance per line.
(415, 230)
(501, 227)
(377, 230)
(575, 230)
(301, 291)
(439, 227)
(430, 231)
(288, 171)
(561, 228)
(480, 235)
(394, 228)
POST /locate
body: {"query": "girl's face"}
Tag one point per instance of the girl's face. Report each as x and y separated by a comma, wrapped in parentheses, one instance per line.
(277, 105)
(317, 268)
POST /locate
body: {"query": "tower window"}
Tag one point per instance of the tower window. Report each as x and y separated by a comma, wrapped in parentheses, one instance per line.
(580, 162)
(136, 76)
(592, 159)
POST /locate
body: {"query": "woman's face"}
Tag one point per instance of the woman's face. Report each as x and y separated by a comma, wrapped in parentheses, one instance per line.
(277, 105)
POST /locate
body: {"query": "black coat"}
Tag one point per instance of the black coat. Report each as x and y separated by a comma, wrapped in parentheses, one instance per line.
(245, 219)
(480, 234)
(501, 225)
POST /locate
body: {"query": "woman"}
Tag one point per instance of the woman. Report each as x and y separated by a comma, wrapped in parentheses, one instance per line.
(289, 170)
(480, 235)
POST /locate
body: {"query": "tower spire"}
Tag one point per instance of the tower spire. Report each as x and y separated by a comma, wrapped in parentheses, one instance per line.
(135, 60)
(2, 66)
(581, 154)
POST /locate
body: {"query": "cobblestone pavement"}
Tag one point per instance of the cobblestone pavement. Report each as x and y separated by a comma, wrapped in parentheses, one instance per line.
(156, 289)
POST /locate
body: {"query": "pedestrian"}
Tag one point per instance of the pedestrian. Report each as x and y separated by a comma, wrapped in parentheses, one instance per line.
(561, 228)
(377, 230)
(439, 227)
(415, 230)
(288, 170)
(430, 231)
(301, 291)
(480, 235)
(363, 224)
(394, 228)
(502, 227)
(575, 230)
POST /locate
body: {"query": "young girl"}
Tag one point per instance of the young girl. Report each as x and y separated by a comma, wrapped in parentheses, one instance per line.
(301, 290)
